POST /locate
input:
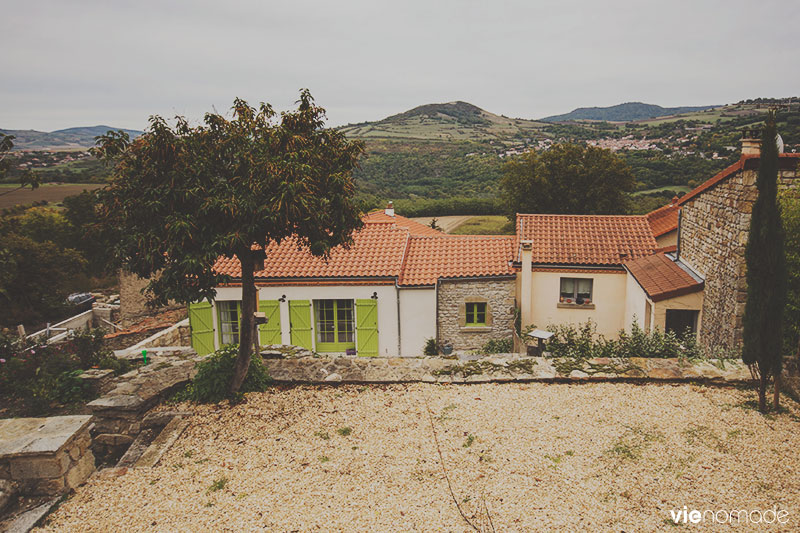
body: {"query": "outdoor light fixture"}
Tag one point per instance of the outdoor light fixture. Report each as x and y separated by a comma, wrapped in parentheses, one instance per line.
(374, 296)
(282, 298)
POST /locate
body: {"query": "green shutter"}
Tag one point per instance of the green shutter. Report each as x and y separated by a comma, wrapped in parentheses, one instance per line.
(201, 324)
(300, 323)
(367, 328)
(270, 333)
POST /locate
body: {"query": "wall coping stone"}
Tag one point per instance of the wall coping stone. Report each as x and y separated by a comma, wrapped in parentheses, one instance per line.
(20, 437)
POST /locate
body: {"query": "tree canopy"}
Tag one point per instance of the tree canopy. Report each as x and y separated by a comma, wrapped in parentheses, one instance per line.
(567, 178)
(766, 272)
(182, 196)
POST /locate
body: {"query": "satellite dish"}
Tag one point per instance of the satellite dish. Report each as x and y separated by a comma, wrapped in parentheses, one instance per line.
(779, 143)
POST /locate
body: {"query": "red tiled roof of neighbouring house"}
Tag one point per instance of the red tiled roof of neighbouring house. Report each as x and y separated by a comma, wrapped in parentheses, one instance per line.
(456, 256)
(377, 251)
(413, 227)
(661, 278)
(665, 219)
(585, 239)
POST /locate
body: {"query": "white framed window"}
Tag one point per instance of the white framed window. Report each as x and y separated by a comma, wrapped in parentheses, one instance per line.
(576, 291)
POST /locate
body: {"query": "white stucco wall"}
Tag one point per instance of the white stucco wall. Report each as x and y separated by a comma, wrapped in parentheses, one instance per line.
(417, 319)
(691, 302)
(387, 307)
(608, 297)
(668, 239)
(636, 303)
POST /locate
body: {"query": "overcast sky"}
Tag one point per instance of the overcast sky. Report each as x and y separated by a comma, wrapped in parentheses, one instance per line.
(81, 62)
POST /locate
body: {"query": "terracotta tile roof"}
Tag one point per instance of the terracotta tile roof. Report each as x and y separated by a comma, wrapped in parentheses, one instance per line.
(661, 278)
(665, 219)
(585, 239)
(413, 227)
(456, 256)
(377, 251)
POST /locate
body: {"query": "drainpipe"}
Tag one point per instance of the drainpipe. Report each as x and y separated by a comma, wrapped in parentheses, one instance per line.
(397, 297)
(526, 284)
(678, 247)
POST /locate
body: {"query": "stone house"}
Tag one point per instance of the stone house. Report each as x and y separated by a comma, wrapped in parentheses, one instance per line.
(401, 283)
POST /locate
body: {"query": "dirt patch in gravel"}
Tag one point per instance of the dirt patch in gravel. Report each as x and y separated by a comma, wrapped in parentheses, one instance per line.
(571, 457)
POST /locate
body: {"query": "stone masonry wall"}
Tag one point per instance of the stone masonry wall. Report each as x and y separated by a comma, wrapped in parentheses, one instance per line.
(133, 303)
(714, 229)
(452, 297)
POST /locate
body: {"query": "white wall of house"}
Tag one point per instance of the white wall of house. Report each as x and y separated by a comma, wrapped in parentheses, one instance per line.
(417, 319)
(691, 302)
(668, 239)
(608, 298)
(387, 307)
(636, 303)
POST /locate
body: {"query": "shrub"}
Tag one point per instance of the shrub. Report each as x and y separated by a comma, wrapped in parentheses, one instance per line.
(214, 375)
(431, 348)
(498, 346)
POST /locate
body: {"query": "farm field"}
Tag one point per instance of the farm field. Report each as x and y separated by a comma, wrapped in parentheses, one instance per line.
(676, 188)
(49, 192)
(485, 225)
(521, 457)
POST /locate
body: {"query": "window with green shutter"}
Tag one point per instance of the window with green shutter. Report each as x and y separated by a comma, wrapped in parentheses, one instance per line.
(228, 321)
(334, 325)
(476, 314)
(201, 325)
(367, 327)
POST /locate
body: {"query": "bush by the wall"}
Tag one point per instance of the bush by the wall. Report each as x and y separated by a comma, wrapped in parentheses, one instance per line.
(214, 374)
(498, 346)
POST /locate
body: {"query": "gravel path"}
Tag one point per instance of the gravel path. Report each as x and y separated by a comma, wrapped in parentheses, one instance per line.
(570, 457)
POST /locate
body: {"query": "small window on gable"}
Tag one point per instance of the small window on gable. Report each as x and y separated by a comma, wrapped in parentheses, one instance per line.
(576, 291)
(476, 314)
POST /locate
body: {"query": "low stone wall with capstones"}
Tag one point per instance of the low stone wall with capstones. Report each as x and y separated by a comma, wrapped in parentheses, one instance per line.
(46, 456)
(501, 368)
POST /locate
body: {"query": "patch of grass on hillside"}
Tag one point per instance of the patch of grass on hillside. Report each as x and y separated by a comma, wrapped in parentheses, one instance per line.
(485, 225)
(675, 188)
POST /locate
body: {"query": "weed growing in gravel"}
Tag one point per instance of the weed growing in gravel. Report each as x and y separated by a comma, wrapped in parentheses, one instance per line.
(634, 442)
(345, 431)
(324, 458)
(322, 434)
(444, 414)
(218, 484)
(188, 454)
(469, 441)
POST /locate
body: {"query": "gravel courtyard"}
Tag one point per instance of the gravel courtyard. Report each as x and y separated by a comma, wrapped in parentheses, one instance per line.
(571, 457)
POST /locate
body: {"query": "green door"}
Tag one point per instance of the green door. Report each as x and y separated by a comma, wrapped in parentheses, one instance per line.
(201, 324)
(367, 328)
(300, 323)
(270, 333)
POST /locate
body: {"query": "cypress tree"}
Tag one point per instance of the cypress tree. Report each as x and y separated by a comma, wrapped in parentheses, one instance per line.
(766, 274)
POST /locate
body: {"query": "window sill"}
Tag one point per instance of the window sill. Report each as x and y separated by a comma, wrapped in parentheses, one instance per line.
(475, 329)
(575, 306)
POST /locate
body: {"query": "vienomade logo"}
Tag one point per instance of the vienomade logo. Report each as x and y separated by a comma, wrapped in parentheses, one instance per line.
(733, 516)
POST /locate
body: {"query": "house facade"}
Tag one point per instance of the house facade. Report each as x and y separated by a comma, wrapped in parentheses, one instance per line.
(399, 284)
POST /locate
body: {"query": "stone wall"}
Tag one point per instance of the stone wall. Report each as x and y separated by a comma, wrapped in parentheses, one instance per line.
(713, 235)
(454, 294)
(132, 303)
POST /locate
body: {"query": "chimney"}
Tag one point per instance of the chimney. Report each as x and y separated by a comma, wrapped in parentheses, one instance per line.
(675, 199)
(526, 284)
(751, 142)
(390, 209)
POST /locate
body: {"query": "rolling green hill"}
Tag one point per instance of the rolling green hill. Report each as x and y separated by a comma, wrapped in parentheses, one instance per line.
(627, 112)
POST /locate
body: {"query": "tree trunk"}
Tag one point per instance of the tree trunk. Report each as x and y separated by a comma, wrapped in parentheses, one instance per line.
(776, 393)
(246, 321)
(762, 393)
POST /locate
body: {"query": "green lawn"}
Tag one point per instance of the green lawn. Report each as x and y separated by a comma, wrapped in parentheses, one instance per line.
(485, 225)
(676, 188)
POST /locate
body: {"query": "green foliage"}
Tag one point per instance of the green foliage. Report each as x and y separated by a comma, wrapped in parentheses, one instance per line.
(431, 348)
(344, 431)
(568, 178)
(485, 225)
(791, 224)
(211, 384)
(583, 342)
(498, 346)
(36, 377)
(766, 268)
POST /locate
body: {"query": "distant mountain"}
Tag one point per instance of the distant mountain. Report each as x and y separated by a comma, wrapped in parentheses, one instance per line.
(451, 121)
(66, 139)
(627, 112)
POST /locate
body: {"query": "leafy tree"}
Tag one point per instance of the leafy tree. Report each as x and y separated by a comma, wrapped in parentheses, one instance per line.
(568, 178)
(766, 274)
(88, 234)
(28, 178)
(180, 197)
